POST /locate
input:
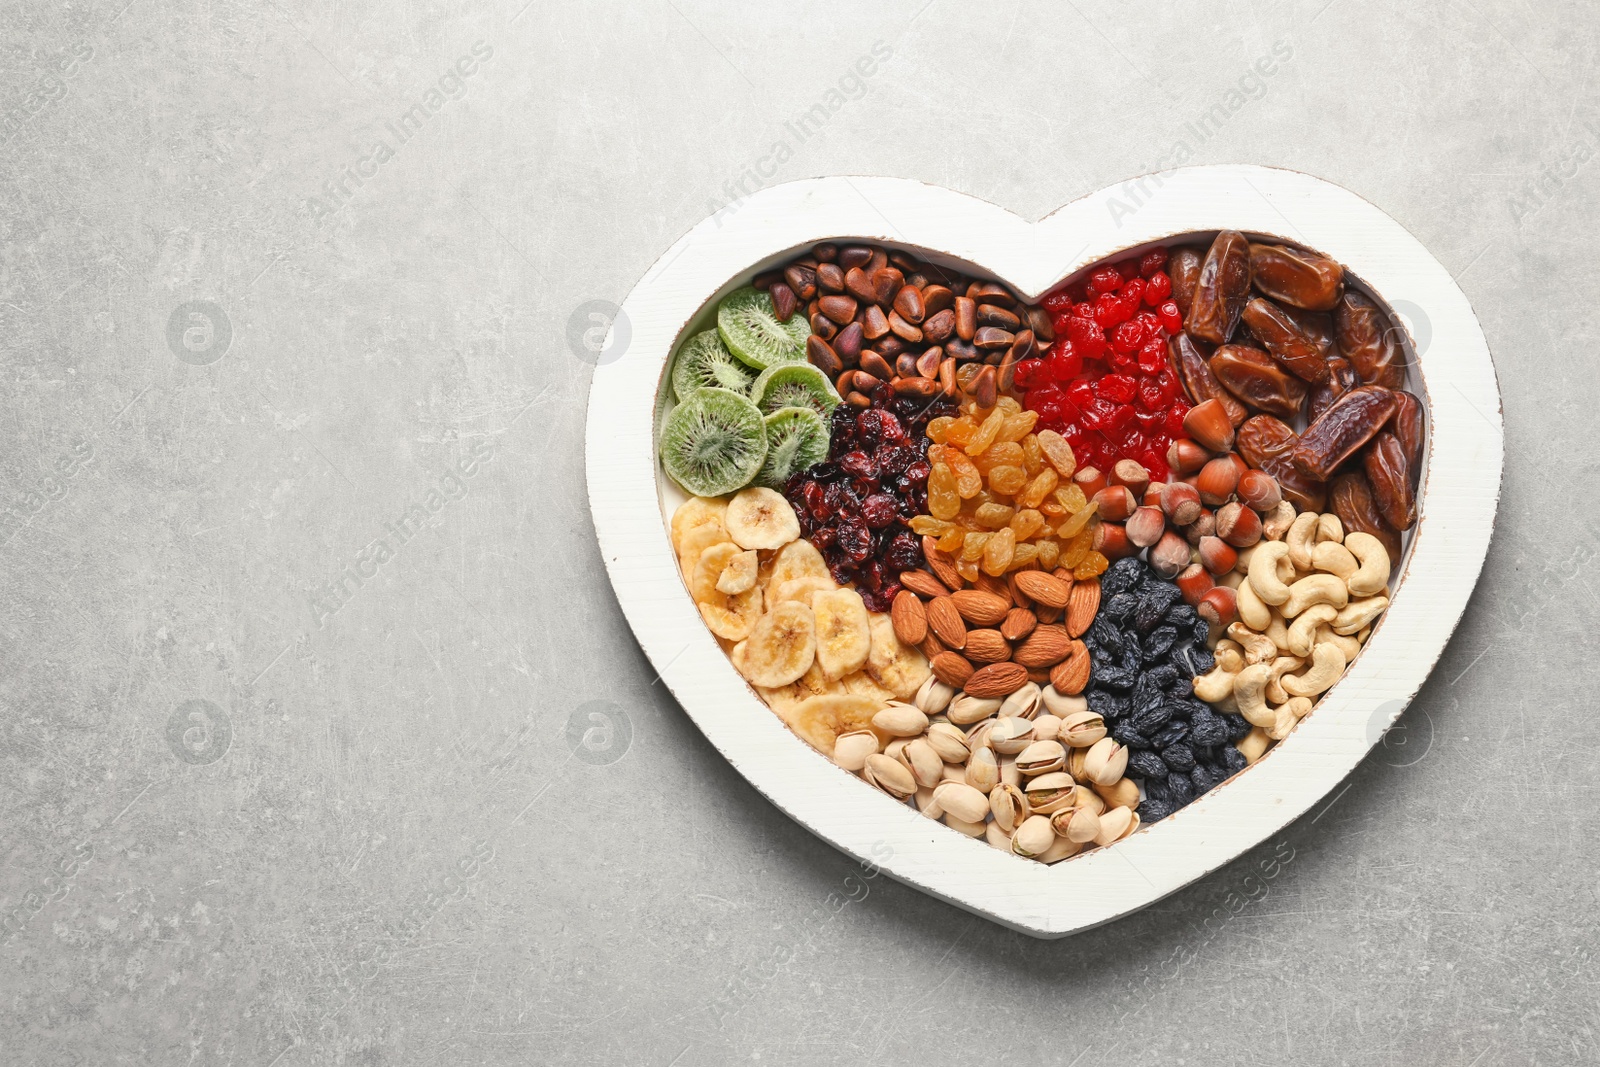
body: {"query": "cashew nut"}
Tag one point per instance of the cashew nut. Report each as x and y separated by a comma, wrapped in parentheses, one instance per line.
(1349, 645)
(1373, 574)
(1250, 693)
(1264, 578)
(1334, 558)
(1327, 664)
(1280, 667)
(1329, 528)
(1258, 648)
(1359, 614)
(1287, 714)
(1242, 564)
(1299, 539)
(1254, 745)
(1276, 523)
(1252, 612)
(1361, 637)
(1277, 632)
(1229, 655)
(1303, 634)
(1214, 685)
(1316, 589)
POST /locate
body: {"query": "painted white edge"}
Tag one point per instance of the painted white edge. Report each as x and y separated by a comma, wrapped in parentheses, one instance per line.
(1458, 499)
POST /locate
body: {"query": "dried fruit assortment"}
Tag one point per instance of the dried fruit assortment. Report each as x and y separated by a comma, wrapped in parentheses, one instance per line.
(1046, 573)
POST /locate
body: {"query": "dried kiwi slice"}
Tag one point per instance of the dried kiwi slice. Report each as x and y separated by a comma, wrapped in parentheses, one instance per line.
(704, 362)
(794, 385)
(796, 438)
(713, 442)
(751, 330)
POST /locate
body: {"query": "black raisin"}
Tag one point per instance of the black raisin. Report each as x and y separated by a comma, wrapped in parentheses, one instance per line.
(1119, 607)
(1106, 704)
(1159, 643)
(1124, 574)
(1234, 760)
(1123, 733)
(1207, 729)
(1202, 633)
(1154, 600)
(1153, 810)
(1203, 779)
(1181, 689)
(1152, 719)
(1180, 790)
(1238, 726)
(1181, 615)
(1180, 757)
(1164, 675)
(1146, 764)
(1175, 731)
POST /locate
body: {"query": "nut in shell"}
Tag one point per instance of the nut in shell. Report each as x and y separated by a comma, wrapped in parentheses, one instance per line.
(1041, 757)
(1049, 793)
(1011, 735)
(1082, 729)
(1033, 837)
(1009, 805)
(889, 775)
(851, 750)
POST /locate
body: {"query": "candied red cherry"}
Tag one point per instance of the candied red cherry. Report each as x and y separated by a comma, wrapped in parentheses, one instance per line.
(1154, 460)
(1157, 288)
(1171, 317)
(1065, 363)
(1153, 357)
(1105, 280)
(1170, 384)
(1118, 388)
(1175, 421)
(1152, 261)
(1150, 421)
(917, 473)
(1029, 373)
(1081, 392)
(1151, 398)
(1057, 302)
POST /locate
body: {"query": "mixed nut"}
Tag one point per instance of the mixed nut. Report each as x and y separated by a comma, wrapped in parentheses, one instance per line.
(1050, 572)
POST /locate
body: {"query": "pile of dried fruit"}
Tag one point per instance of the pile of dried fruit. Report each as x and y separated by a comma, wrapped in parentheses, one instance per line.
(1046, 573)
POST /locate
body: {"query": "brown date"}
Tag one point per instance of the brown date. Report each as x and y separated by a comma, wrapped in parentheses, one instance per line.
(1252, 376)
(1297, 351)
(1190, 363)
(1302, 279)
(1183, 266)
(1266, 442)
(1407, 426)
(1341, 379)
(1351, 499)
(1318, 325)
(1390, 478)
(1221, 289)
(1350, 422)
(1369, 341)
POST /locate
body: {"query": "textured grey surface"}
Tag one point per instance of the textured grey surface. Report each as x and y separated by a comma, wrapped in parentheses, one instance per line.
(374, 841)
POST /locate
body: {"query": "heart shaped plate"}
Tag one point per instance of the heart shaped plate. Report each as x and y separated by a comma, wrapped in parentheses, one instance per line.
(630, 499)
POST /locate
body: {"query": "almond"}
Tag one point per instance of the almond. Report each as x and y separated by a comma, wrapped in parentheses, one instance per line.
(997, 586)
(996, 680)
(1045, 613)
(1082, 605)
(1047, 645)
(939, 563)
(945, 622)
(987, 646)
(931, 646)
(1039, 676)
(1072, 674)
(909, 619)
(1044, 588)
(1019, 623)
(979, 607)
(923, 584)
(952, 669)
(1018, 597)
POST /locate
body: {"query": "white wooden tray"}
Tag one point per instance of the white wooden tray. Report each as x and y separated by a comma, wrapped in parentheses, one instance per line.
(629, 498)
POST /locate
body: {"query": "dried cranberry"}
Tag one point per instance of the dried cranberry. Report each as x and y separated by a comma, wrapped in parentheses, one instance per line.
(858, 465)
(879, 510)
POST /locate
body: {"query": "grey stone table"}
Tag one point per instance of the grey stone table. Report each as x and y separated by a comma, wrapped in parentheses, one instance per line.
(322, 739)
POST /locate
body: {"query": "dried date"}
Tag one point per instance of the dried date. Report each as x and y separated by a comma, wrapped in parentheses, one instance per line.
(1318, 325)
(1184, 269)
(1390, 477)
(1406, 424)
(1190, 363)
(1341, 379)
(1252, 376)
(1294, 277)
(1221, 289)
(1350, 496)
(1350, 422)
(1266, 442)
(1368, 339)
(1286, 342)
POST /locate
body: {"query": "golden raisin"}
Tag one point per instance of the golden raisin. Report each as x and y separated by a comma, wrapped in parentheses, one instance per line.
(942, 500)
(993, 516)
(1009, 405)
(998, 551)
(1071, 497)
(1074, 551)
(1058, 452)
(1007, 479)
(952, 541)
(1079, 520)
(1018, 426)
(986, 433)
(929, 526)
(1002, 453)
(968, 569)
(1032, 457)
(1092, 564)
(968, 478)
(1038, 489)
(1026, 523)
(937, 428)
(1049, 553)
(1024, 555)
(960, 431)
(973, 546)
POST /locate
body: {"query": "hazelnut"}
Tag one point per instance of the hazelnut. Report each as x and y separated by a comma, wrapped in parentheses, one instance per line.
(1218, 556)
(1207, 422)
(1145, 526)
(1217, 480)
(1132, 474)
(1115, 503)
(1090, 480)
(1185, 457)
(1169, 556)
(1259, 490)
(1219, 607)
(1111, 541)
(1238, 525)
(1193, 582)
(1181, 502)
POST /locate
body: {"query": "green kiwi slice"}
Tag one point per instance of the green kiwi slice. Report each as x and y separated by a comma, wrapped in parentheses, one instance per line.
(796, 438)
(751, 330)
(713, 442)
(794, 385)
(704, 362)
